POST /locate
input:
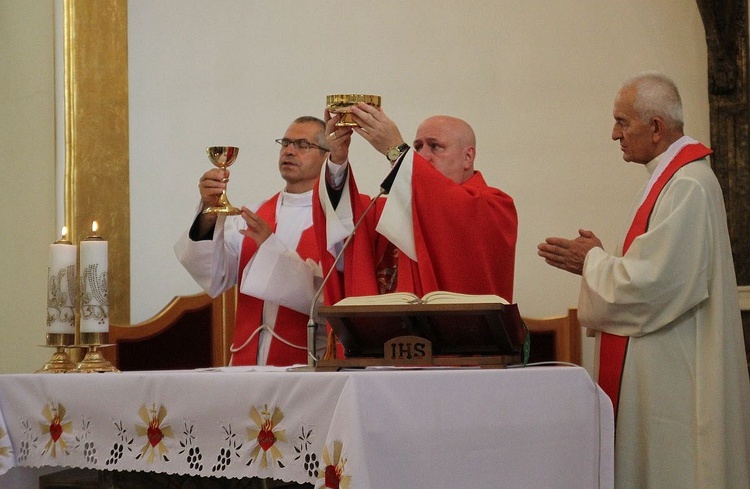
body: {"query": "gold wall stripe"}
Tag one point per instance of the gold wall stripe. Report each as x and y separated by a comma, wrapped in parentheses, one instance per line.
(97, 181)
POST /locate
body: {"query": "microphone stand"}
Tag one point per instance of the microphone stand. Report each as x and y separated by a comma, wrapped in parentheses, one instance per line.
(312, 326)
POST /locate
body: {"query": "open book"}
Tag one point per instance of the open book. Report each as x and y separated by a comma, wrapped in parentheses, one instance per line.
(435, 297)
(455, 324)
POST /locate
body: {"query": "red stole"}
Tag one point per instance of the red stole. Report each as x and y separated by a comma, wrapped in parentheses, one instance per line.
(613, 348)
(361, 250)
(290, 325)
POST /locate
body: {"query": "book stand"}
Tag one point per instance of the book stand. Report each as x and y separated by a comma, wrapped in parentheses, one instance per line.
(424, 335)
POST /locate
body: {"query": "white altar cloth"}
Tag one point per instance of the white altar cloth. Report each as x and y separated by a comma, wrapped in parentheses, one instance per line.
(540, 427)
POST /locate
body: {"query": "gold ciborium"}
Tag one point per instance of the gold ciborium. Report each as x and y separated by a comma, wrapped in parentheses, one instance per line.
(222, 157)
(341, 104)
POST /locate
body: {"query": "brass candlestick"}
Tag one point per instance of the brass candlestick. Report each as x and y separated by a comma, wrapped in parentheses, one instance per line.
(342, 103)
(60, 361)
(94, 361)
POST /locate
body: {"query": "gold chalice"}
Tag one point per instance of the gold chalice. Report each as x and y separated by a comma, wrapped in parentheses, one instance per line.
(341, 104)
(222, 157)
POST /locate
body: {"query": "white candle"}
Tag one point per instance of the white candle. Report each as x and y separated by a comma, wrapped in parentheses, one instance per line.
(61, 286)
(94, 295)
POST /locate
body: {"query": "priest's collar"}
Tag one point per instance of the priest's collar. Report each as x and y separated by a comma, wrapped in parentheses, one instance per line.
(296, 200)
(657, 166)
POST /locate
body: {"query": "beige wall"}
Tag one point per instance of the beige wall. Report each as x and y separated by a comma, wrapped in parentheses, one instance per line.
(536, 79)
(27, 199)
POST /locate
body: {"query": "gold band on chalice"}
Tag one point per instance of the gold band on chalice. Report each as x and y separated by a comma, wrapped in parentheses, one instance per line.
(342, 103)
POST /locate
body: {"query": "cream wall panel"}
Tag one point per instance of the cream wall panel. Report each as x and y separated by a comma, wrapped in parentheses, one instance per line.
(27, 199)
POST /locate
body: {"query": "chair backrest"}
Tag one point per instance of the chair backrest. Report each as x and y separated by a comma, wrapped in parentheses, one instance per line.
(555, 339)
(190, 332)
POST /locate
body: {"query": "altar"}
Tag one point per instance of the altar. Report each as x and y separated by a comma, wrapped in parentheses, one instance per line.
(540, 427)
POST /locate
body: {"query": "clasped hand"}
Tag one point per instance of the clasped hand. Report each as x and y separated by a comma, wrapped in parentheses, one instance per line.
(569, 254)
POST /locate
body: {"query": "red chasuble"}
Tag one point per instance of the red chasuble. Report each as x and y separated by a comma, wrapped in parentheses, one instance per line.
(613, 348)
(290, 325)
(465, 237)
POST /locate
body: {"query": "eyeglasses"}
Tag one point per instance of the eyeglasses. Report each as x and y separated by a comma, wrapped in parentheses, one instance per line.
(303, 144)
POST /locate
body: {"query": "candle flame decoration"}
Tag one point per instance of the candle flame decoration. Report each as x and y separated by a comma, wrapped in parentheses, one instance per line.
(94, 227)
(64, 232)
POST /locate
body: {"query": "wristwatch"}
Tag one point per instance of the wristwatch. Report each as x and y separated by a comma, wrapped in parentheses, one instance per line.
(395, 151)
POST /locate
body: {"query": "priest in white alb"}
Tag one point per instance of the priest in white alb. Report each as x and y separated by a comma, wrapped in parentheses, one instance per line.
(670, 347)
(270, 252)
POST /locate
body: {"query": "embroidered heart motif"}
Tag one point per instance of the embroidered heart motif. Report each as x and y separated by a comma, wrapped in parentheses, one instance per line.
(154, 435)
(266, 439)
(55, 430)
(332, 478)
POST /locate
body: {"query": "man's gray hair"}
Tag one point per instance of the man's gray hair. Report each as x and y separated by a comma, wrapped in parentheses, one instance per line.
(321, 134)
(657, 96)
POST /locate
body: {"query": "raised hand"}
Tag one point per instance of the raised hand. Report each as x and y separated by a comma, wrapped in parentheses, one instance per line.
(257, 228)
(380, 131)
(338, 139)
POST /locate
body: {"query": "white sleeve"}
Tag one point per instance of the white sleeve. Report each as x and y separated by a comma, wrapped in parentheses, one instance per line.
(663, 274)
(213, 263)
(278, 274)
(336, 172)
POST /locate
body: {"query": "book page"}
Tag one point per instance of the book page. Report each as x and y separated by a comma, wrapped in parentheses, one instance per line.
(443, 297)
(435, 297)
(392, 298)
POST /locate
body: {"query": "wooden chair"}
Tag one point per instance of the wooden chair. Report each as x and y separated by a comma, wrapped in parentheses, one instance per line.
(555, 339)
(190, 332)
(744, 293)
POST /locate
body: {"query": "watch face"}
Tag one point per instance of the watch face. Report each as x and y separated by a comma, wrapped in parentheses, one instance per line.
(393, 154)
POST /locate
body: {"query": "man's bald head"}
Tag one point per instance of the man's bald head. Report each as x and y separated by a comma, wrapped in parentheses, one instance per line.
(449, 144)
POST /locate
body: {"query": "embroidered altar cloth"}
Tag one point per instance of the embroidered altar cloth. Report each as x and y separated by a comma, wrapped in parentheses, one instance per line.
(541, 427)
